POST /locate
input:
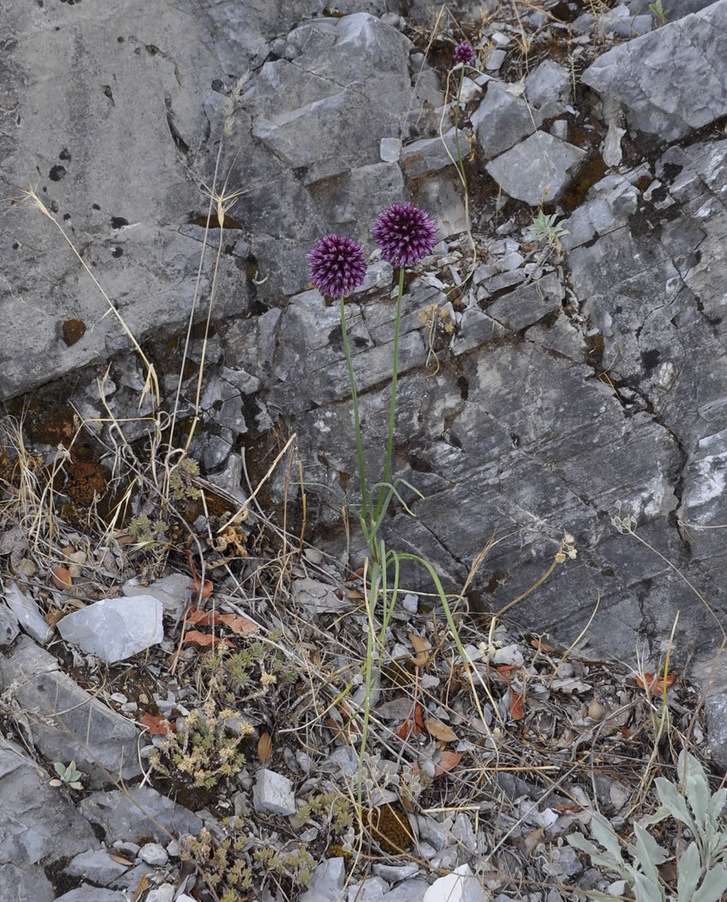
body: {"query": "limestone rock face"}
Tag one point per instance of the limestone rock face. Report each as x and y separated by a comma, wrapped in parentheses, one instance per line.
(672, 80)
(583, 392)
(122, 147)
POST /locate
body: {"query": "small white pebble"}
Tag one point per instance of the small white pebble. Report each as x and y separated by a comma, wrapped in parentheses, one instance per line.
(154, 854)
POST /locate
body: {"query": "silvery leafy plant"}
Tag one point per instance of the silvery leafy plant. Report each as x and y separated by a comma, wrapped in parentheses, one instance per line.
(68, 775)
(701, 866)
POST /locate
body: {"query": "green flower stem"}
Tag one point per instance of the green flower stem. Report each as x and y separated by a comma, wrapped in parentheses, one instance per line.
(460, 164)
(392, 408)
(356, 418)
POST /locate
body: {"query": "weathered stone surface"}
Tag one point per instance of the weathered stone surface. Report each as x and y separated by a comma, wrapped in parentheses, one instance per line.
(31, 835)
(672, 80)
(28, 615)
(114, 629)
(305, 127)
(327, 882)
(537, 169)
(138, 812)
(65, 721)
(97, 866)
(548, 89)
(503, 119)
(8, 627)
(26, 882)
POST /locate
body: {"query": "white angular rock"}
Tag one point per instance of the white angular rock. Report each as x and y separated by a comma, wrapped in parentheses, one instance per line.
(538, 169)
(173, 591)
(459, 886)
(28, 615)
(155, 854)
(163, 893)
(8, 626)
(114, 629)
(274, 793)
(327, 882)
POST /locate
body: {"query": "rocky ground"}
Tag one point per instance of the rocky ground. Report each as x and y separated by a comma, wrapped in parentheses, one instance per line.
(183, 676)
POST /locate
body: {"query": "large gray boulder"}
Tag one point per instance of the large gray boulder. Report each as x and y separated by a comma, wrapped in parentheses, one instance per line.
(672, 80)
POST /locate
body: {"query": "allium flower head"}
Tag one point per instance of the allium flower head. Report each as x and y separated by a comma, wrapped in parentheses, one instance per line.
(405, 234)
(463, 53)
(336, 265)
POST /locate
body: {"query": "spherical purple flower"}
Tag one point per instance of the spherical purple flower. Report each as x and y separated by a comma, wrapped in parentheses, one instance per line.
(405, 234)
(463, 53)
(336, 265)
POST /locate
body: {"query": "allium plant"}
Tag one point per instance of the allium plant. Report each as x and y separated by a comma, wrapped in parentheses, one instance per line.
(405, 235)
(464, 56)
(337, 266)
(463, 53)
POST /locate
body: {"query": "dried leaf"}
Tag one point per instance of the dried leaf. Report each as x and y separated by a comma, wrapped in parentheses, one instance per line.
(53, 615)
(532, 840)
(204, 640)
(265, 748)
(156, 724)
(439, 730)
(539, 645)
(206, 589)
(506, 672)
(422, 647)
(25, 567)
(653, 684)
(516, 705)
(141, 888)
(241, 626)
(119, 858)
(61, 578)
(446, 762)
(412, 726)
(201, 591)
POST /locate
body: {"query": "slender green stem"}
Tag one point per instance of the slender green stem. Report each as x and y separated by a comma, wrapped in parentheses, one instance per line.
(460, 164)
(356, 419)
(392, 408)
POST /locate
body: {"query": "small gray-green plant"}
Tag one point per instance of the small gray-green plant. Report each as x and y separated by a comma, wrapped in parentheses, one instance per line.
(148, 533)
(331, 807)
(204, 748)
(701, 866)
(67, 775)
(546, 229)
(181, 480)
(238, 862)
(657, 8)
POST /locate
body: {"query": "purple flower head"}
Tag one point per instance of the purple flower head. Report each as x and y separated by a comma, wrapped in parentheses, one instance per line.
(463, 53)
(336, 265)
(405, 234)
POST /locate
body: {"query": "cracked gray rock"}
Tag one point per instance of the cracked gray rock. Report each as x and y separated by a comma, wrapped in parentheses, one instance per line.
(64, 721)
(672, 80)
(29, 834)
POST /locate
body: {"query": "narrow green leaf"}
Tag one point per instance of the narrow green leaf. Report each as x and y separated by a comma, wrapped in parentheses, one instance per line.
(646, 890)
(578, 841)
(697, 791)
(604, 833)
(670, 797)
(648, 854)
(690, 871)
(713, 886)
